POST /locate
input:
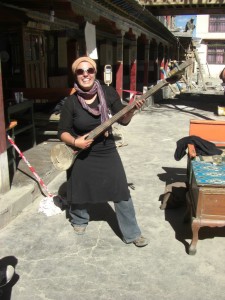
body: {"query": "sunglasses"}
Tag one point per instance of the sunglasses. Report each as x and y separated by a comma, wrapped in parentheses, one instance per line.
(81, 71)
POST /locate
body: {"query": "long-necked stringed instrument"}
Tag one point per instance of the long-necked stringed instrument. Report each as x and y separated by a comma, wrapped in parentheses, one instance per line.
(63, 156)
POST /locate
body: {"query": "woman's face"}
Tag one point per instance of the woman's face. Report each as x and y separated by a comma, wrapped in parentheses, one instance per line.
(85, 75)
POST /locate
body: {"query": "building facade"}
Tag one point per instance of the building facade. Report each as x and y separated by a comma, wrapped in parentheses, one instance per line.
(39, 40)
(42, 42)
(210, 31)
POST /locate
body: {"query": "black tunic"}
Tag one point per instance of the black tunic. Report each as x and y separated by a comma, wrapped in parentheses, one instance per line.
(97, 175)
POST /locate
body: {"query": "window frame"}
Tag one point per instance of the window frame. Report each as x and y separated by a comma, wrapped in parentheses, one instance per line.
(216, 23)
(218, 55)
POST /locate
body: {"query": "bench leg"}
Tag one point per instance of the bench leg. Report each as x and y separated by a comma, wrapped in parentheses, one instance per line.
(188, 211)
(195, 229)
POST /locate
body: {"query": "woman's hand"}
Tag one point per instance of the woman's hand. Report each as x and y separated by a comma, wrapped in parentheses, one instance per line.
(128, 116)
(139, 104)
(77, 142)
(83, 143)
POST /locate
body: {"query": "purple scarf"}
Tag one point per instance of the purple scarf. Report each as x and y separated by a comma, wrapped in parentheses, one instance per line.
(102, 107)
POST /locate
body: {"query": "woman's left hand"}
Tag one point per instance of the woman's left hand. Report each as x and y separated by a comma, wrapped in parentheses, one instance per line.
(139, 104)
(128, 116)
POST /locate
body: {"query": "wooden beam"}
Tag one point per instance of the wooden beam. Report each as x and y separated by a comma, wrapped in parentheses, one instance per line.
(179, 2)
(188, 7)
(182, 11)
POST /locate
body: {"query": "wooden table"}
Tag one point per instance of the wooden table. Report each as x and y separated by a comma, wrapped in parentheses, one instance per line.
(24, 114)
(206, 197)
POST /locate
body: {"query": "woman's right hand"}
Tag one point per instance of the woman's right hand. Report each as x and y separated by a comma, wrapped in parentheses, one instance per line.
(83, 143)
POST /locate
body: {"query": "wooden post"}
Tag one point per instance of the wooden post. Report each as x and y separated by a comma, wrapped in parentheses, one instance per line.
(146, 62)
(199, 66)
(133, 65)
(119, 71)
(4, 167)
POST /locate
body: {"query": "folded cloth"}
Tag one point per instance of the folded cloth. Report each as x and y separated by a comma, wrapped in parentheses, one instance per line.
(202, 147)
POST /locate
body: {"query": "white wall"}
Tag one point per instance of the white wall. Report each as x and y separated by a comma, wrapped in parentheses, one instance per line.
(202, 27)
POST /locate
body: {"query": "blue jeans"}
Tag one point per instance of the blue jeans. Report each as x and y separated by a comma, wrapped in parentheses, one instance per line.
(125, 214)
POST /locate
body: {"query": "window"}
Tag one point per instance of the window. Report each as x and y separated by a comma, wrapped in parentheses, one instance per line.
(217, 23)
(216, 54)
(34, 46)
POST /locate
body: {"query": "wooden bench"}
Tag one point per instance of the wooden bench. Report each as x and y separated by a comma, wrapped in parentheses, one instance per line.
(206, 192)
(45, 100)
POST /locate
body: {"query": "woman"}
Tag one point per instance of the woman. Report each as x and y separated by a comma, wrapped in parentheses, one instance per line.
(97, 176)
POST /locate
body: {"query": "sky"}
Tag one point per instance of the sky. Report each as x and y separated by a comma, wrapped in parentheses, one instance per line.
(180, 21)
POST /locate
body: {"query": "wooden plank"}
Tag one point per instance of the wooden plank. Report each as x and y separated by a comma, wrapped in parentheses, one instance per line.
(213, 131)
(177, 2)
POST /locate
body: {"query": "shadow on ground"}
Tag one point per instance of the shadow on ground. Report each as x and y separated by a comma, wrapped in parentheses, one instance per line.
(189, 102)
(97, 212)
